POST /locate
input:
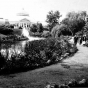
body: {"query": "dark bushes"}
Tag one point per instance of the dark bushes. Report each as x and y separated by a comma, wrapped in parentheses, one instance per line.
(12, 38)
(46, 34)
(5, 30)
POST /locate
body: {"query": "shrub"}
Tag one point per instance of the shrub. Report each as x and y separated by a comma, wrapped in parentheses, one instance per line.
(38, 53)
(46, 34)
(59, 30)
(5, 30)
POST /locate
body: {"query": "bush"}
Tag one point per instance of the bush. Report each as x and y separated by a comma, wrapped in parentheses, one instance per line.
(38, 53)
(59, 30)
(5, 30)
(12, 38)
(46, 34)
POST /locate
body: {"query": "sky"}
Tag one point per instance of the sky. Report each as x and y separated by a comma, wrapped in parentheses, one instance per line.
(38, 9)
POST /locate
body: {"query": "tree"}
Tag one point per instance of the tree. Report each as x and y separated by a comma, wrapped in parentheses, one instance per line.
(74, 25)
(59, 30)
(75, 21)
(77, 15)
(33, 28)
(39, 27)
(53, 19)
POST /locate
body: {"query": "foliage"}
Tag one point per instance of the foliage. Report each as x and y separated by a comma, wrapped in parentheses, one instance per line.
(36, 34)
(38, 54)
(5, 30)
(53, 19)
(12, 38)
(33, 28)
(54, 30)
(59, 30)
(46, 34)
(36, 30)
(86, 27)
(9, 30)
(38, 27)
(77, 15)
(17, 32)
(74, 25)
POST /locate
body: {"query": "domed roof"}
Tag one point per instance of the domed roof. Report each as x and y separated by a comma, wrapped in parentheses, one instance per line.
(24, 20)
(23, 13)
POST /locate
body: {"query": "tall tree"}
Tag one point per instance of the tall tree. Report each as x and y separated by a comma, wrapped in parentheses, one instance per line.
(77, 15)
(75, 21)
(53, 19)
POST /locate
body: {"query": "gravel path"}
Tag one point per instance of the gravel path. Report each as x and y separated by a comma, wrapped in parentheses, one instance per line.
(80, 58)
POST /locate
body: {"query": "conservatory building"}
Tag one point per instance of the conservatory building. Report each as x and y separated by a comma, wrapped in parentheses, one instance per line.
(23, 22)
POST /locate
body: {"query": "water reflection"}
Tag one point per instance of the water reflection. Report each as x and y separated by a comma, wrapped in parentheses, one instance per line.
(11, 49)
(17, 48)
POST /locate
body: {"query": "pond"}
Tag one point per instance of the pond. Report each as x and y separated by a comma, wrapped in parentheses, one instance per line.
(8, 49)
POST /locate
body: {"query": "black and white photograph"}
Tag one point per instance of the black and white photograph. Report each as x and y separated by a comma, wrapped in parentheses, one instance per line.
(43, 43)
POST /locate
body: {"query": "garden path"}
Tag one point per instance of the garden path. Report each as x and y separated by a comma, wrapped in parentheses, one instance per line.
(80, 58)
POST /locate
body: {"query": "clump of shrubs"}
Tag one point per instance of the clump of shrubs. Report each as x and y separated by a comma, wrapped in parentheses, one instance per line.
(46, 34)
(13, 38)
(38, 53)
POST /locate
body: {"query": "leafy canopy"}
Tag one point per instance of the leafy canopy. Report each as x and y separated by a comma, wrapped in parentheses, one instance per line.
(53, 19)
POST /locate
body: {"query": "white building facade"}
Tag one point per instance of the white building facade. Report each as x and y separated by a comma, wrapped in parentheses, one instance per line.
(24, 23)
(23, 20)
